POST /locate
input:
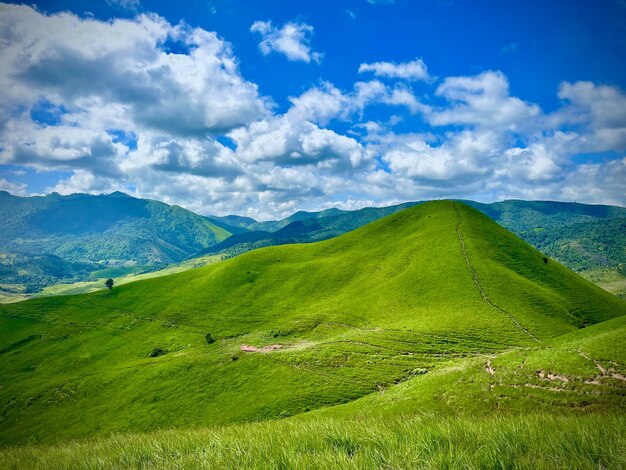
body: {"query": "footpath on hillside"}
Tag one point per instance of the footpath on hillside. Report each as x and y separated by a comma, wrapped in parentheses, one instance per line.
(477, 283)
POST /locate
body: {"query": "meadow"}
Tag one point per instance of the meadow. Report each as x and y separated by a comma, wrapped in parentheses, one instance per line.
(432, 337)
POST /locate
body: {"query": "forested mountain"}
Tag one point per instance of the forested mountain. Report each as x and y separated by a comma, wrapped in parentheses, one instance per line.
(107, 230)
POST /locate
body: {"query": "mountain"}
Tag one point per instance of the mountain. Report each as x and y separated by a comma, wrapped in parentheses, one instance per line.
(284, 330)
(589, 239)
(249, 224)
(113, 229)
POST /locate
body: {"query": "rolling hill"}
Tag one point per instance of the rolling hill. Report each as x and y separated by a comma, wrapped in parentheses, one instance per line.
(589, 239)
(285, 330)
(110, 230)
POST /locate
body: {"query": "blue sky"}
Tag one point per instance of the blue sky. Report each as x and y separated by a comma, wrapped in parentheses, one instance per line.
(264, 108)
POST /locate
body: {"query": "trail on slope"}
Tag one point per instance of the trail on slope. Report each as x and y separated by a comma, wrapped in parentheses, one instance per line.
(477, 283)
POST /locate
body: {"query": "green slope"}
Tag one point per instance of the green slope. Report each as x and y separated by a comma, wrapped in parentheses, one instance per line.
(561, 404)
(397, 298)
(589, 239)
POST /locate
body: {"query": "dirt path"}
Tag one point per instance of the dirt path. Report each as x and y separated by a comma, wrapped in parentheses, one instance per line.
(248, 348)
(477, 283)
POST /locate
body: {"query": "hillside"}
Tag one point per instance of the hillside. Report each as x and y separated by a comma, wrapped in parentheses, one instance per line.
(284, 330)
(301, 227)
(111, 230)
(589, 239)
(558, 404)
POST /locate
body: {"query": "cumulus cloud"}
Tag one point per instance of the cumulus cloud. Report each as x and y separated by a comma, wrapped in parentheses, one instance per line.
(483, 101)
(109, 102)
(598, 111)
(413, 70)
(293, 40)
(86, 63)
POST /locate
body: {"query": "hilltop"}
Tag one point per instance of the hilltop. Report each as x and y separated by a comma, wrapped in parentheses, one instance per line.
(589, 239)
(284, 330)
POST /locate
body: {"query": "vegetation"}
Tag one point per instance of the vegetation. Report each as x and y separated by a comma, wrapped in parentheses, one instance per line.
(97, 237)
(548, 406)
(536, 441)
(416, 302)
(589, 239)
(53, 239)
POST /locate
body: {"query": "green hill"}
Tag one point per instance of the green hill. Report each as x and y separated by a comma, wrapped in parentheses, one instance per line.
(589, 239)
(112, 230)
(284, 330)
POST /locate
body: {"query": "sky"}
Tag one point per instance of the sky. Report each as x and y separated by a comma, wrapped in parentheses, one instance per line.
(265, 108)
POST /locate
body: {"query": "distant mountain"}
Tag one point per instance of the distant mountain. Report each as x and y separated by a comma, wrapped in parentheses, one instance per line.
(303, 227)
(249, 224)
(114, 229)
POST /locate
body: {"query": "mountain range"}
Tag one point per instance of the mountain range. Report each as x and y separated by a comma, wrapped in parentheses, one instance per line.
(56, 239)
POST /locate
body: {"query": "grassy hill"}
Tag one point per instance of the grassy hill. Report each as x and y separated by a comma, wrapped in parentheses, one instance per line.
(589, 239)
(285, 330)
(301, 227)
(111, 230)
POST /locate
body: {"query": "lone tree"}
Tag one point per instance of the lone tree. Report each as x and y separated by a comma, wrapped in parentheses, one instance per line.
(109, 283)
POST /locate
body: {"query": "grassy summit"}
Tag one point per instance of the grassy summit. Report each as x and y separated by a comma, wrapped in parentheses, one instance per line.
(325, 323)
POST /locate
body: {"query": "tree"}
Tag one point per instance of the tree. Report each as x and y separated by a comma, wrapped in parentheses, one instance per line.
(109, 283)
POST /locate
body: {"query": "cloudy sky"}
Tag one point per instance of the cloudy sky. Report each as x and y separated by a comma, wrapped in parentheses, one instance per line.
(265, 108)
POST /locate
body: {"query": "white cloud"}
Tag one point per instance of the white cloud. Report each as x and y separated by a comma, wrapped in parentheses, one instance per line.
(86, 63)
(598, 111)
(483, 101)
(324, 103)
(189, 129)
(414, 70)
(19, 189)
(289, 141)
(292, 40)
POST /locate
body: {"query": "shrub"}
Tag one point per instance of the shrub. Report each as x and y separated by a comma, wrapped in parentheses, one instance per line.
(209, 339)
(156, 352)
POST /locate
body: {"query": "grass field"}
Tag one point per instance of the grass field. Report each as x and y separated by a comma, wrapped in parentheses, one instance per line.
(433, 312)
(483, 412)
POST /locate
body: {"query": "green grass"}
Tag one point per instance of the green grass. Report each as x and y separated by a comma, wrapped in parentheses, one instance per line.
(120, 277)
(389, 307)
(118, 271)
(533, 441)
(462, 416)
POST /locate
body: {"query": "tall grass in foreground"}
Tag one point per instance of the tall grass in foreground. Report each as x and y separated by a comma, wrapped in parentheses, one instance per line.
(534, 441)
